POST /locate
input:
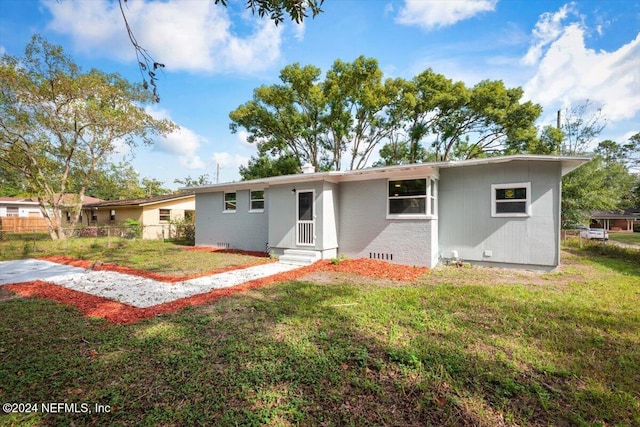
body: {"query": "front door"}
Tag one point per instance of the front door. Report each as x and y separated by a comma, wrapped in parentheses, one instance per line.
(305, 229)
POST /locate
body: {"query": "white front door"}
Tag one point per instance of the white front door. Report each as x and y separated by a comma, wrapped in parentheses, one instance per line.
(305, 227)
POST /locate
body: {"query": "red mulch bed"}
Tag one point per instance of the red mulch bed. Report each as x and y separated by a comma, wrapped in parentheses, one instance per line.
(116, 312)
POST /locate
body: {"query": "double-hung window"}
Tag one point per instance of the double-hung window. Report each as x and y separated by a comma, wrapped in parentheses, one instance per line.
(410, 198)
(229, 202)
(256, 201)
(511, 200)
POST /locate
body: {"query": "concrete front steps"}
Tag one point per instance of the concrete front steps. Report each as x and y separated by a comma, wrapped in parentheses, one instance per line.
(299, 257)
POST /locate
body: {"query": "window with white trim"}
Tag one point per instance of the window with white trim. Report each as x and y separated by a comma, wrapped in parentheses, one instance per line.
(410, 198)
(433, 193)
(13, 211)
(256, 201)
(230, 202)
(511, 200)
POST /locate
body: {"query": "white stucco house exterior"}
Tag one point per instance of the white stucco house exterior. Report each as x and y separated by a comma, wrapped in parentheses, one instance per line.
(502, 211)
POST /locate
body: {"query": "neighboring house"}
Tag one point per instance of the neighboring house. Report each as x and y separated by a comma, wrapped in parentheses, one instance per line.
(615, 220)
(69, 202)
(21, 215)
(497, 211)
(155, 214)
(22, 207)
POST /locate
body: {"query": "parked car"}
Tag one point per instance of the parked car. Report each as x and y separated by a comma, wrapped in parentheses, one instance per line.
(594, 233)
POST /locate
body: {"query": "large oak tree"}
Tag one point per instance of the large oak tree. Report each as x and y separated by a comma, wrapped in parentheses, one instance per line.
(59, 125)
(341, 120)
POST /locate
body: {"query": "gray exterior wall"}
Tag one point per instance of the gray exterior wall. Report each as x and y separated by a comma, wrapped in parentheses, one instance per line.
(366, 232)
(283, 221)
(466, 224)
(240, 230)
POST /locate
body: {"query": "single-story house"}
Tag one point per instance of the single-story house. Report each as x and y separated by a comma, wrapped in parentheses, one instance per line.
(155, 214)
(621, 220)
(21, 207)
(502, 211)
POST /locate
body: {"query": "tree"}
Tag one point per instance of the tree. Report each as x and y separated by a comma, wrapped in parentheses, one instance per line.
(59, 125)
(581, 126)
(153, 187)
(11, 183)
(191, 182)
(490, 121)
(264, 166)
(275, 10)
(319, 121)
(604, 183)
(116, 182)
(549, 142)
(286, 118)
(356, 121)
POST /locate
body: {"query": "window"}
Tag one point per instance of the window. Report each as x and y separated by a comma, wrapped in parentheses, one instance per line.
(165, 215)
(112, 215)
(409, 198)
(12, 211)
(229, 202)
(511, 200)
(256, 201)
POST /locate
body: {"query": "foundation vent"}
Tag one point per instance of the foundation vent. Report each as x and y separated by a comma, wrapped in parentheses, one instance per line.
(380, 255)
(226, 245)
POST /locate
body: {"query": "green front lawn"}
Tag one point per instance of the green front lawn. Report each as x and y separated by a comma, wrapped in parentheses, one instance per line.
(150, 255)
(631, 238)
(463, 346)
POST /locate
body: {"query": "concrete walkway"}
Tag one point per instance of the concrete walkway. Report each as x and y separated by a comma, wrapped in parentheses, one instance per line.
(126, 288)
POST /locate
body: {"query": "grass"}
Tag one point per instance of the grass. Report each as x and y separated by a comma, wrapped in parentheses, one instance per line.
(462, 346)
(631, 238)
(150, 255)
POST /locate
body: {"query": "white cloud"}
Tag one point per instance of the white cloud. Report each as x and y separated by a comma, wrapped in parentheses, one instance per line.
(184, 35)
(229, 164)
(548, 29)
(182, 143)
(435, 14)
(569, 73)
(298, 30)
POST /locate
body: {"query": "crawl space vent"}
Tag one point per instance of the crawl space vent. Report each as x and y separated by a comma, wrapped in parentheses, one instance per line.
(380, 255)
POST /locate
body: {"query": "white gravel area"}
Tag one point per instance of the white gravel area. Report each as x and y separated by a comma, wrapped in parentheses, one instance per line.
(126, 288)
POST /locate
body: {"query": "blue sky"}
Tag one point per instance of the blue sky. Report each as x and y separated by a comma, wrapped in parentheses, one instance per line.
(561, 53)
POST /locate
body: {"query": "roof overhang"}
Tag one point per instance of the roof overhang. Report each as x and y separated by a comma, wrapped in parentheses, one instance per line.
(568, 163)
(399, 171)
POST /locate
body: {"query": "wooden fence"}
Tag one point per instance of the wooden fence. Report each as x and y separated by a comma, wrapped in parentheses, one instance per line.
(14, 224)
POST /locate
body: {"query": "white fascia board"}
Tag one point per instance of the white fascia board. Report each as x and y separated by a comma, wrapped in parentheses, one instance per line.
(430, 168)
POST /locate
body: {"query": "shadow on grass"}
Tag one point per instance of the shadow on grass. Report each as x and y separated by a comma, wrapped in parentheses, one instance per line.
(304, 354)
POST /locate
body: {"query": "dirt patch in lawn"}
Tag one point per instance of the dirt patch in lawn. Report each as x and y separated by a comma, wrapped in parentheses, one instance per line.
(6, 295)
